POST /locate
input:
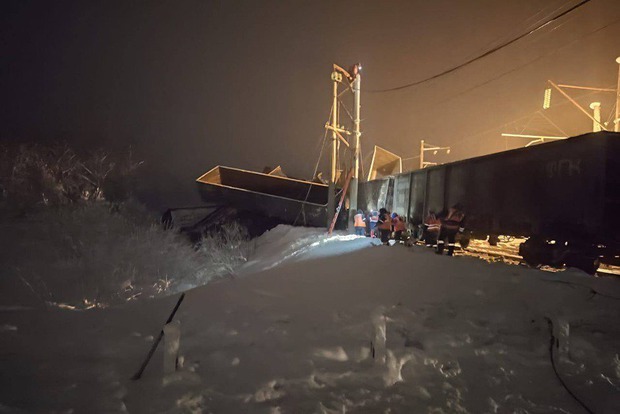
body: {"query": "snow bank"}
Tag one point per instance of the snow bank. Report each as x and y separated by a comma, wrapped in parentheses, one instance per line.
(380, 329)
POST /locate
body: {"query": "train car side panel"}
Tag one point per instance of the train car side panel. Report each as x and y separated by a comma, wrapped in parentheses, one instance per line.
(417, 203)
(435, 190)
(402, 191)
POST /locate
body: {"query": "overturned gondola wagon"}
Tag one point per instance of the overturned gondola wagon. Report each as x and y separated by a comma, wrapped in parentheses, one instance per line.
(290, 200)
(564, 196)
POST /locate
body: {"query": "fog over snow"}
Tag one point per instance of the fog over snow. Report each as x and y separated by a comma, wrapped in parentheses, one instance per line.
(331, 324)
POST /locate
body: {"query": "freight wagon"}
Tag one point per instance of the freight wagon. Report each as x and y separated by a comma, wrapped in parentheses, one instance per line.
(564, 196)
(289, 200)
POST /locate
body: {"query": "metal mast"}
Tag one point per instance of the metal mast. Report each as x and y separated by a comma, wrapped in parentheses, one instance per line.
(356, 147)
(617, 120)
(331, 198)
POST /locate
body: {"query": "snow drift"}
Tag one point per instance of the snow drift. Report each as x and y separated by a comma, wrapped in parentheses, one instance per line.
(375, 329)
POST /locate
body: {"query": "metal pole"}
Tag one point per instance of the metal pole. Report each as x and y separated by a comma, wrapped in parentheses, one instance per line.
(617, 120)
(356, 148)
(421, 154)
(331, 198)
(596, 112)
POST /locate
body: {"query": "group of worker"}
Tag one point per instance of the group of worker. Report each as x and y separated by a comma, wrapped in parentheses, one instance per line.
(445, 225)
(380, 224)
(437, 227)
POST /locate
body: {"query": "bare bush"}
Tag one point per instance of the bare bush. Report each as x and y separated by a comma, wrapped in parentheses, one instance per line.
(227, 250)
(33, 175)
(90, 255)
(76, 240)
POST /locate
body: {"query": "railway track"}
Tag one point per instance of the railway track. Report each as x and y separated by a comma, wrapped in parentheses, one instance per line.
(508, 252)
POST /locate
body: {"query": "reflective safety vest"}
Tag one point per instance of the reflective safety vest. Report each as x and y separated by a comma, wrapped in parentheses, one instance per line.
(385, 222)
(399, 224)
(359, 220)
(453, 220)
(432, 223)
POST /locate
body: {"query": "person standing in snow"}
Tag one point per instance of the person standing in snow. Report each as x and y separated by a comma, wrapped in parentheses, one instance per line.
(399, 226)
(384, 225)
(452, 222)
(359, 223)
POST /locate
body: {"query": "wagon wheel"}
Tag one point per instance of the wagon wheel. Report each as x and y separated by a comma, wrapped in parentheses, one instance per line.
(531, 252)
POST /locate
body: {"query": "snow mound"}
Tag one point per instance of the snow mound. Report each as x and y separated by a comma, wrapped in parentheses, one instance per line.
(385, 329)
(286, 243)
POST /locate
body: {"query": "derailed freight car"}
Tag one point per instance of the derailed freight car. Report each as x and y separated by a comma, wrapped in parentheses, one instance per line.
(563, 195)
(289, 200)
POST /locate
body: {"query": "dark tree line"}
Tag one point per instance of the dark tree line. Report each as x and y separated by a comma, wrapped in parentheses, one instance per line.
(33, 175)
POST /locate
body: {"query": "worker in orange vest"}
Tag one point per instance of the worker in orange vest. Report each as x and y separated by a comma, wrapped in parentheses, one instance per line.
(399, 226)
(359, 223)
(452, 222)
(431, 229)
(385, 225)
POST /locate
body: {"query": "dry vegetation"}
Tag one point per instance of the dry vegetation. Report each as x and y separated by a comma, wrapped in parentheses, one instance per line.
(69, 234)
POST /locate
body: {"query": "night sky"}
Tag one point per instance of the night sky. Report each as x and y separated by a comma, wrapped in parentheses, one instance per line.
(194, 84)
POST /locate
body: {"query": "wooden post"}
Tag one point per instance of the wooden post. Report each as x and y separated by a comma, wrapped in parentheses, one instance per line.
(138, 374)
(172, 340)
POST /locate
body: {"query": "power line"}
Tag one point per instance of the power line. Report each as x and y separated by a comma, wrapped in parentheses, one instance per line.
(535, 22)
(466, 138)
(531, 62)
(316, 169)
(487, 53)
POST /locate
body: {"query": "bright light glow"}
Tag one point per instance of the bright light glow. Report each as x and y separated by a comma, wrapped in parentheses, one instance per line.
(341, 238)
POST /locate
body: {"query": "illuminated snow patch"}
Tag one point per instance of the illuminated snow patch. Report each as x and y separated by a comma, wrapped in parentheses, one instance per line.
(341, 238)
(334, 354)
(287, 243)
(394, 366)
(270, 391)
(87, 304)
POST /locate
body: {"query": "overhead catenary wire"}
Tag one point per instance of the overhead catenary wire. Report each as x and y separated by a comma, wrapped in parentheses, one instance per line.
(316, 169)
(552, 123)
(535, 23)
(485, 54)
(611, 113)
(346, 110)
(467, 138)
(479, 85)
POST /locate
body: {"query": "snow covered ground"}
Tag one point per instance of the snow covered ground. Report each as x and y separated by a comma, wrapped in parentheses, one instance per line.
(318, 324)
